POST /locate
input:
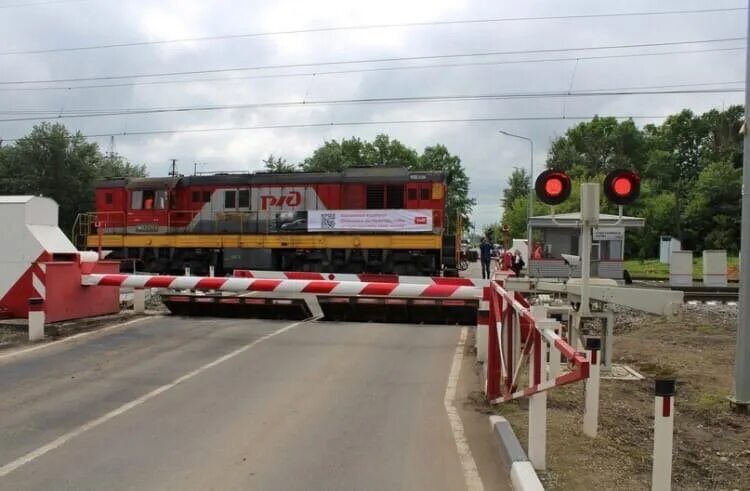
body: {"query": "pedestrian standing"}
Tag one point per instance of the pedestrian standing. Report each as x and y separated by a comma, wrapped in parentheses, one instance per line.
(485, 256)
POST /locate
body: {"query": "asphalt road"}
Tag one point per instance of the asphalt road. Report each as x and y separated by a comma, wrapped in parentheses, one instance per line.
(171, 403)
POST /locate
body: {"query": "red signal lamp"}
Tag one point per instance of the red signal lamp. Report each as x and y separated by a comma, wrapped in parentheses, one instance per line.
(622, 187)
(552, 187)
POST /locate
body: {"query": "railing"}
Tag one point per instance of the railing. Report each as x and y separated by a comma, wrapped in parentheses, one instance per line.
(520, 336)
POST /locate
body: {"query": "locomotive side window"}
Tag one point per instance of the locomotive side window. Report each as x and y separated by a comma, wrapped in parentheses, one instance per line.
(108, 198)
(244, 198)
(424, 193)
(196, 196)
(136, 200)
(395, 197)
(160, 200)
(230, 199)
(412, 194)
(206, 196)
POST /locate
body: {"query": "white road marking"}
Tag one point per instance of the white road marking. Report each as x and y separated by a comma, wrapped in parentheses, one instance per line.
(76, 336)
(35, 454)
(471, 474)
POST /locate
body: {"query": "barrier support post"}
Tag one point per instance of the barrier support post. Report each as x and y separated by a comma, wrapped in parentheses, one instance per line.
(538, 401)
(661, 474)
(139, 300)
(36, 319)
(591, 388)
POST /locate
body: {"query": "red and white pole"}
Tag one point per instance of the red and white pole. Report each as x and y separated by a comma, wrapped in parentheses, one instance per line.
(591, 388)
(661, 476)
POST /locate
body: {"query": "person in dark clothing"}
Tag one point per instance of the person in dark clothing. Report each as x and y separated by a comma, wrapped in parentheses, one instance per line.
(485, 256)
(518, 263)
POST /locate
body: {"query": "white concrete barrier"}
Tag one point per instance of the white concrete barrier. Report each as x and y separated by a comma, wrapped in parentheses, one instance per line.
(714, 268)
(681, 268)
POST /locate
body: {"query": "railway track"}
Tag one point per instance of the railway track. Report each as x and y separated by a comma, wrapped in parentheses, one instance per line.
(698, 293)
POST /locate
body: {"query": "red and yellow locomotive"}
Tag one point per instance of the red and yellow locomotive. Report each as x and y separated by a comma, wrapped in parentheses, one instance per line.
(383, 220)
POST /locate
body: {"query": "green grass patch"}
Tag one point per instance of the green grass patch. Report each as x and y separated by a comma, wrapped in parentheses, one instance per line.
(652, 268)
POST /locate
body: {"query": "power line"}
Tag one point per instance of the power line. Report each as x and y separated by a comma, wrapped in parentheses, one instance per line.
(367, 101)
(366, 70)
(351, 123)
(361, 27)
(375, 60)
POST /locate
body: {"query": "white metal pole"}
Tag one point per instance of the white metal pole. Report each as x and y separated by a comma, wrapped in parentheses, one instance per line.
(661, 474)
(741, 397)
(591, 388)
(530, 207)
(538, 401)
(530, 211)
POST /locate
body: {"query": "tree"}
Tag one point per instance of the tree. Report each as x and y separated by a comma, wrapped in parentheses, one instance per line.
(278, 165)
(519, 184)
(383, 152)
(52, 162)
(597, 147)
(117, 166)
(713, 213)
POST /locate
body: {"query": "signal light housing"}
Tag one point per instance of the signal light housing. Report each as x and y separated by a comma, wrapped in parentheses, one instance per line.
(552, 187)
(622, 187)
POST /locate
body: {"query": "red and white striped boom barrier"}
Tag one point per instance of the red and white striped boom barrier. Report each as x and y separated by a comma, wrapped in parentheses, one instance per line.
(366, 277)
(317, 287)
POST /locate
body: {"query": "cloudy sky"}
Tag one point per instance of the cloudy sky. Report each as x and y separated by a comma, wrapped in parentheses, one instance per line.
(44, 25)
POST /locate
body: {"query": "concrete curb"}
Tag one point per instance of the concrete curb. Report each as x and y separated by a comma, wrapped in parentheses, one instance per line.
(513, 459)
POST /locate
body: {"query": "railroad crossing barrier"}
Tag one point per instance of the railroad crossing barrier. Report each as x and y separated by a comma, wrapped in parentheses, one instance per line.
(363, 277)
(451, 303)
(320, 287)
(521, 337)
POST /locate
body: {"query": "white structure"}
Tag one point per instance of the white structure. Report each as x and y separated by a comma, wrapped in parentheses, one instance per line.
(681, 268)
(714, 268)
(30, 234)
(667, 246)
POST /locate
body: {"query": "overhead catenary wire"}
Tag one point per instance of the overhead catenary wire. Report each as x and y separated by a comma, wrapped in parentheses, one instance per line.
(95, 113)
(355, 28)
(374, 60)
(350, 123)
(318, 73)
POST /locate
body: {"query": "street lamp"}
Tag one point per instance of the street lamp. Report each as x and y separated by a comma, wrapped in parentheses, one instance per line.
(530, 210)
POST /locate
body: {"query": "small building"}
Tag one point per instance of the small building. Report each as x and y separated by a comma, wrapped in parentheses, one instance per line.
(561, 234)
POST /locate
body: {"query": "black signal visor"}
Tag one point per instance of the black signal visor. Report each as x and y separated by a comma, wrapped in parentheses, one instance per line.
(622, 187)
(552, 187)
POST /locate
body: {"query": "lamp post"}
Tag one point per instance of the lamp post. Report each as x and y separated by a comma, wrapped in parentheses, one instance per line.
(530, 209)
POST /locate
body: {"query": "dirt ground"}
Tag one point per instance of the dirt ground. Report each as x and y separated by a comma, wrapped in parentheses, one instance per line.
(711, 442)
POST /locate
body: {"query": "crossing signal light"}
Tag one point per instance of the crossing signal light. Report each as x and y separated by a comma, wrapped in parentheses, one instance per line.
(622, 187)
(552, 187)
